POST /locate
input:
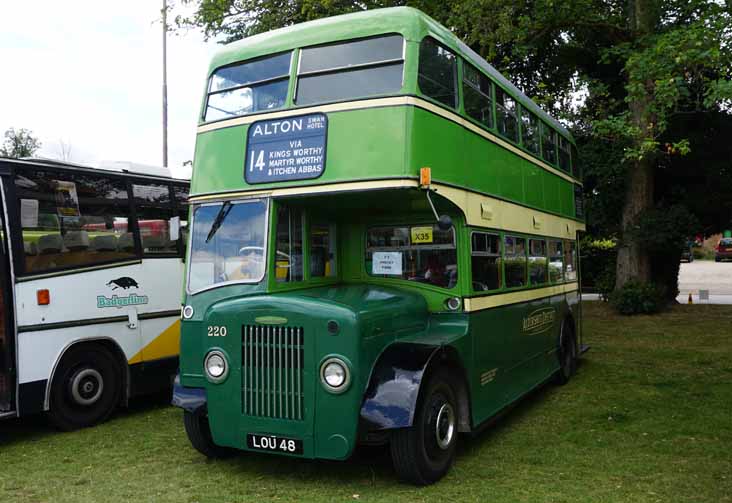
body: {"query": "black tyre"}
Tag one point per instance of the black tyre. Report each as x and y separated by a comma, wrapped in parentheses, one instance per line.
(423, 453)
(567, 354)
(199, 434)
(86, 388)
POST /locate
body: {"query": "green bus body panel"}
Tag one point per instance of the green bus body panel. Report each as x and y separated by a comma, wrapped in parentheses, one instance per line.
(362, 144)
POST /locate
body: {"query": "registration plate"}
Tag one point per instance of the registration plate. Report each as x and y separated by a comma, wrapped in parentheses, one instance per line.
(274, 443)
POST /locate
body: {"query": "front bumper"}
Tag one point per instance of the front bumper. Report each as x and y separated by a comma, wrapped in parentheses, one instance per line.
(188, 399)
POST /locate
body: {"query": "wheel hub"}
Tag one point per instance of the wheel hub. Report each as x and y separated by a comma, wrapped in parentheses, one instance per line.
(445, 426)
(86, 386)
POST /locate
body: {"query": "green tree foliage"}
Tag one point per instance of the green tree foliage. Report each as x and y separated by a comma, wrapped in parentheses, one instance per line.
(19, 143)
(654, 122)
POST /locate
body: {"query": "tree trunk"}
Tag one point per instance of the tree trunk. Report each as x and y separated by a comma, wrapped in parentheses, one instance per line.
(634, 263)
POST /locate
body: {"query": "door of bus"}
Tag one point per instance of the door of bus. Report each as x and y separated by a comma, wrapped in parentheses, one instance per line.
(7, 334)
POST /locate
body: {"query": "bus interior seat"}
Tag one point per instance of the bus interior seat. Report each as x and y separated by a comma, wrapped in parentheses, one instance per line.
(155, 242)
(30, 247)
(50, 244)
(126, 242)
(106, 242)
(77, 240)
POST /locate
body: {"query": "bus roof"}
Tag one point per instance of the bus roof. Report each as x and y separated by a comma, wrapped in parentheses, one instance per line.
(121, 167)
(411, 23)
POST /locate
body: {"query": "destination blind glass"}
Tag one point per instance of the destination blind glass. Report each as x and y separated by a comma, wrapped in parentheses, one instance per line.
(291, 148)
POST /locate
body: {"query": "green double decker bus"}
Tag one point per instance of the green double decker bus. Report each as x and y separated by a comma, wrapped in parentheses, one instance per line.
(383, 245)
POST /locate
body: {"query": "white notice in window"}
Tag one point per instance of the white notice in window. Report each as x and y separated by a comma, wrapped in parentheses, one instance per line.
(28, 213)
(387, 263)
(174, 228)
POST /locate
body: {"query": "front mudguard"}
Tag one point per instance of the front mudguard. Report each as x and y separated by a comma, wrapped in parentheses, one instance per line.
(390, 400)
(190, 399)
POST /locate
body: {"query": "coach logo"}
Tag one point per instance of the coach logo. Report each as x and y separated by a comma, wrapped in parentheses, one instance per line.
(123, 282)
(539, 321)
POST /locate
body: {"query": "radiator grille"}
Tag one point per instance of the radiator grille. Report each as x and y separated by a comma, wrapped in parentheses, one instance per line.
(272, 371)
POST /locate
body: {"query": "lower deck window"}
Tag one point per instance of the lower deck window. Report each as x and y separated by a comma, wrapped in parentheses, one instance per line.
(537, 261)
(515, 264)
(485, 261)
(421, 253)
(556, 262)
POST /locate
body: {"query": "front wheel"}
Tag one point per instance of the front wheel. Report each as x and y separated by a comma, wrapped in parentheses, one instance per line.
(86, 387)
(423, 453)
(199, 434)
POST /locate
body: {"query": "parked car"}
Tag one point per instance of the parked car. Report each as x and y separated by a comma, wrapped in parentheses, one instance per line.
(724, 250)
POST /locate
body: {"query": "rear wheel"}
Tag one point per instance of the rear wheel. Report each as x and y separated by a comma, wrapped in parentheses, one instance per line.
(423, 453)
(86, 388)
(567, 354)
(199, 434)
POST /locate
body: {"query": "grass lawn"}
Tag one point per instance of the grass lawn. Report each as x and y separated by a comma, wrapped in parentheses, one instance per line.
(647, 418)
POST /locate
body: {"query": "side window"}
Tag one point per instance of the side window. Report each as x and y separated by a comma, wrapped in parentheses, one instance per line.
(485, 258)
(437, 72)
(530, 131)
(556, 262)
(423, 253)
(322, 250)
(506, 116)
(159, 232)
(477, 94)
(564, 155)
(570, 261)
(548, 144)
(576, 166)
(181, 204)
(353, 69)
(288, 250)
(537, 261)
(72, 220)
(515, 261)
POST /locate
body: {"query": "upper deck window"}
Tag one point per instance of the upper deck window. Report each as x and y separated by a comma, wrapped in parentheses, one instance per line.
(548, 144)
(248, 87)
(506, 112)
(354, 69)
(478, 95)
(530, 131)
(564, 153)
(437, 72)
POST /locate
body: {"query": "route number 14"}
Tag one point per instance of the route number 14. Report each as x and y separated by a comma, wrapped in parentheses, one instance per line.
(259, 163)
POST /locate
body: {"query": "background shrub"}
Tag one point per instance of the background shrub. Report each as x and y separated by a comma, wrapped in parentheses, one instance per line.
(637, 298)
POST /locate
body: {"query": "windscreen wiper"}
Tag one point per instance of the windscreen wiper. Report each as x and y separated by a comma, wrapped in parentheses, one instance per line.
(220, 217)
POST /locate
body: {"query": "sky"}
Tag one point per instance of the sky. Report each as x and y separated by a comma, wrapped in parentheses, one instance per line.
(88, 74)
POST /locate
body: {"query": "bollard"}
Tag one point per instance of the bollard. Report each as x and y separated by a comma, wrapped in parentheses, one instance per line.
(690, 300)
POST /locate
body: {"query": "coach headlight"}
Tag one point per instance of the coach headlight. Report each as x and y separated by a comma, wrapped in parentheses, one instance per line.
(335, 375)
(216, 366)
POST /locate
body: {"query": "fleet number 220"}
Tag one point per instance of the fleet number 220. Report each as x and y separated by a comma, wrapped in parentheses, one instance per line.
(216, 331)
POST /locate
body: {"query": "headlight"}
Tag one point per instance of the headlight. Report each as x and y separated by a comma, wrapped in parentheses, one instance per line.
(334, 375)
(187, 312)
(215, 366)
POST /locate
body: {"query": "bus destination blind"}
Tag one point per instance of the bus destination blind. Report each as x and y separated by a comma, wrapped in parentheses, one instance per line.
(290, 148)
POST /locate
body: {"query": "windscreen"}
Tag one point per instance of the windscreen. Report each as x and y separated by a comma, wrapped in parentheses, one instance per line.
(228, 244)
